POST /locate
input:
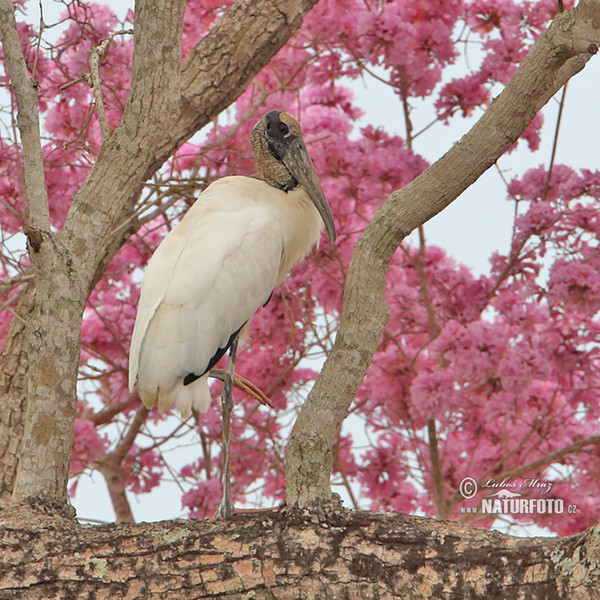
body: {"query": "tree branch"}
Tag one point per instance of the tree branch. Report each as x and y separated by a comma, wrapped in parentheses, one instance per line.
(559, 53)
(25, 90)
(267, 554)
(96, 56)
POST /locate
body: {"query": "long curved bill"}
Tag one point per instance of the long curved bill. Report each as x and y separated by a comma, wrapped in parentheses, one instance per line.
(300, 166)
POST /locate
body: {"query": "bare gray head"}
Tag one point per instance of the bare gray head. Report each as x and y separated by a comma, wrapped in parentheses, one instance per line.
(280, 153)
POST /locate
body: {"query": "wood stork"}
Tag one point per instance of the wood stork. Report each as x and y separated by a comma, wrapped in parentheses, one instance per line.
(220, 264)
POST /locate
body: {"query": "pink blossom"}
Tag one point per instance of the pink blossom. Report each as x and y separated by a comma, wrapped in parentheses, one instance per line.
(203, 500)
(576, 284)
(465, 94)
(88, 445)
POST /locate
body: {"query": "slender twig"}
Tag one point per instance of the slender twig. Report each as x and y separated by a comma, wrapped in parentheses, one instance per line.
(160, 441)
(441, 503)
(555, 142)
(123, 447)
(6, 306)
(107, 414)
(96, 56)
(13, 282)
(39, 39)
(207, 455)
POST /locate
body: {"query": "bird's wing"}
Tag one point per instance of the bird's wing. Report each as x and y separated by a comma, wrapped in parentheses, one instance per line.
(154, 287)
(206, 279)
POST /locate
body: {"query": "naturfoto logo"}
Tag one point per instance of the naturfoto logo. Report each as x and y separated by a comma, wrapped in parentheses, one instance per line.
(506, 497)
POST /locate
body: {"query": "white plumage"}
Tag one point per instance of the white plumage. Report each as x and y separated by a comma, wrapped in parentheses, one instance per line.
(208, 277)
(220, 264)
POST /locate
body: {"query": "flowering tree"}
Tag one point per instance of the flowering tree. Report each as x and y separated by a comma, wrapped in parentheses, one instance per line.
(489, 377)
(455, 345)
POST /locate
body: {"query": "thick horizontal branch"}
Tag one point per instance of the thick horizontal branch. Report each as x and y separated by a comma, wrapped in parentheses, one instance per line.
(273, 554)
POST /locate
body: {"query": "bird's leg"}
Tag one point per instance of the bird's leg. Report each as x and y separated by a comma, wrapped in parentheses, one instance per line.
(226, 506)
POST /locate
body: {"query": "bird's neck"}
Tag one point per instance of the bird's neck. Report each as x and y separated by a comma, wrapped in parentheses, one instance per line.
(302, 231)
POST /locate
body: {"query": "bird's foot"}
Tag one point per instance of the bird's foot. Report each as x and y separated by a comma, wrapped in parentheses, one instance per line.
(225, 509)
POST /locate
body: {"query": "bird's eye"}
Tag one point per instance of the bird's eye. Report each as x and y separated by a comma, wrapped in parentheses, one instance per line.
(283, 128)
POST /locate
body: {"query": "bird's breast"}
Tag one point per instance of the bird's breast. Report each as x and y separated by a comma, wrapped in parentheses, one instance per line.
(292, 215)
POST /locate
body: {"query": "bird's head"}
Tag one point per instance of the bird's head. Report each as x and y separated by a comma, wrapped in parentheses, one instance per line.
(280, 152)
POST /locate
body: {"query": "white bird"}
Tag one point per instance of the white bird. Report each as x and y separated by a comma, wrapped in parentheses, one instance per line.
(220, 264)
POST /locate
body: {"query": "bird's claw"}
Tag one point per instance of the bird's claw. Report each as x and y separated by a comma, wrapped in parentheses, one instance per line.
(241, 383)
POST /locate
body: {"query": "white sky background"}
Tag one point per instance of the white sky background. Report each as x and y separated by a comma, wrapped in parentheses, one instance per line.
(470, 229)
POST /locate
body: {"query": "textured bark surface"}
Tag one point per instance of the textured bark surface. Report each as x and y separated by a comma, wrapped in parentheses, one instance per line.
(564, 49)
(290, 555)
(13, 384)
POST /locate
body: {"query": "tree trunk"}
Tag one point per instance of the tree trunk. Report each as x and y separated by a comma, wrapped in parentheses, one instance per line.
(13, 391)
(290, 554)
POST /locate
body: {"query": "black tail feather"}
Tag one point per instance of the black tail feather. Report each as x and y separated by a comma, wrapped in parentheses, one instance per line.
(191, 377)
